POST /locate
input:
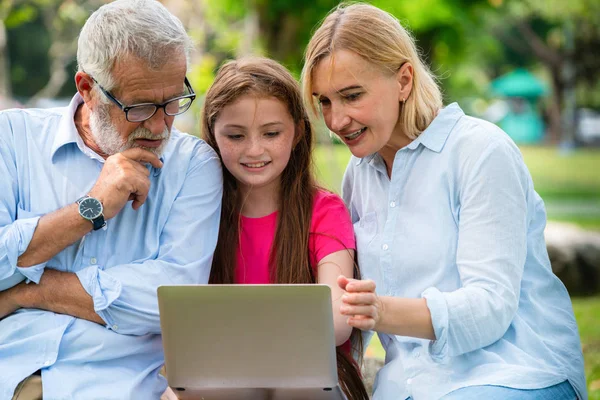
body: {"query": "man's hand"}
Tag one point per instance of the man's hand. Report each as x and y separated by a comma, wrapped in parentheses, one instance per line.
(360, 303)
(8, 303)
(58, 291)
(124, 177)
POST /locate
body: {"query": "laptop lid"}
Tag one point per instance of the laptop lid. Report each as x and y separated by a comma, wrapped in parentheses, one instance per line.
(248, 336)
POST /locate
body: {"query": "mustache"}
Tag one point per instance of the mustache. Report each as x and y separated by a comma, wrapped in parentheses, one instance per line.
(143, 133)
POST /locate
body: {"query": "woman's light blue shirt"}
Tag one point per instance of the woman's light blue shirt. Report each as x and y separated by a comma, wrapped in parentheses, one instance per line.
(459, 224)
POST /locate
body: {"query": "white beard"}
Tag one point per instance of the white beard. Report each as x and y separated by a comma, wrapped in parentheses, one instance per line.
(109, 140)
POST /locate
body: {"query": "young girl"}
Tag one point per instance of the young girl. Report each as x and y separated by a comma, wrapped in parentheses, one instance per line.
(284, 228)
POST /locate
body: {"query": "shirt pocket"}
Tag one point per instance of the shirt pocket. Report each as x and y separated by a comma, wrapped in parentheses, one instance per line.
(365, 230)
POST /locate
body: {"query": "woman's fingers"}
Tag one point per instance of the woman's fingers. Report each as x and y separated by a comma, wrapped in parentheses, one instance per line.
(342, 281)
(361, 322)
(364, 310)
(356, 285)
(359, 298)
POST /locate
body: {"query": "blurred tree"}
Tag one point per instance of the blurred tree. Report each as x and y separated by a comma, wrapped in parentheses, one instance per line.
(5, 89)
(562, 36)
(281, 28)
(44, 24)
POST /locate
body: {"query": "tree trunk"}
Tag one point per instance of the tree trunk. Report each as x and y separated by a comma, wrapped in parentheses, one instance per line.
(554, 113)
(62, 51)
(5, 87)
(569, 98)
(60, 55)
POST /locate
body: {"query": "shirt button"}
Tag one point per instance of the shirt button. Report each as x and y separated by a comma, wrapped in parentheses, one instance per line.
(93, 261)
(115, 327)
(47, 363)
(416, 354)
(393, 204)
(408, 381)
(385, 247)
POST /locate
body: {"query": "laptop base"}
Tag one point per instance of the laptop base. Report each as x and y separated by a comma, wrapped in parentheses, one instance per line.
(261, 394)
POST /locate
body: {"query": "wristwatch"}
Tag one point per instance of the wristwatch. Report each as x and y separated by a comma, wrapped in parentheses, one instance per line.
(91, 209)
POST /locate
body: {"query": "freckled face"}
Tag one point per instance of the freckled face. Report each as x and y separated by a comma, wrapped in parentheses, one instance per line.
(359, 102)
(255, 136)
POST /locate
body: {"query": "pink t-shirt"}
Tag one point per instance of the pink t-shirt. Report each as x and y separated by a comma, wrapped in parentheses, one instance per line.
(330, 231)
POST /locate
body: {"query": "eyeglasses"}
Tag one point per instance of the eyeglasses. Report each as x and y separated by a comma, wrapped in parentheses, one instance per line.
(143, 111)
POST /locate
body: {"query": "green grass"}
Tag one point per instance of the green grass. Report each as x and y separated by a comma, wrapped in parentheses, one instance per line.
(574, 175)
(587, 311)
(569, 184)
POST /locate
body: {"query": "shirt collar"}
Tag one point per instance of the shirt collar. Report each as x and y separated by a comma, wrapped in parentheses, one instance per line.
(435, 135)
(67, 132)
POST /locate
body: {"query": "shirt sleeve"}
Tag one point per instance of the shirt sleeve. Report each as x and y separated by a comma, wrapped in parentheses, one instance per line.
(125, 296)
(331, 227)
(16, 225)
(492, 245)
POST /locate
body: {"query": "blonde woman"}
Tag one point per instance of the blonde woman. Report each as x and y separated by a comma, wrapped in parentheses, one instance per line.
(449, 229)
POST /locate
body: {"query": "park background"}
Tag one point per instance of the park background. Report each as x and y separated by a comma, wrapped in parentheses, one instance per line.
(531, 66)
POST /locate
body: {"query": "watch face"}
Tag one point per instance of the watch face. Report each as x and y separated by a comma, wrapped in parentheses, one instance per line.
(90, 208)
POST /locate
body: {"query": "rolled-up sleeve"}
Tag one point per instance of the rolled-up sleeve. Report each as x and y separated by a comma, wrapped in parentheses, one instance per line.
(16, 226)
(125, 295)
(490, 256)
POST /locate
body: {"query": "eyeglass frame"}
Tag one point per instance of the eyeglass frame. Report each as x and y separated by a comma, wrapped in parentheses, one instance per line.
(126, 109)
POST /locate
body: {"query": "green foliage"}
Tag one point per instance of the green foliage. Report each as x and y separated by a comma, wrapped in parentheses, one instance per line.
(28, 46)
(20, 15)
(203, 74)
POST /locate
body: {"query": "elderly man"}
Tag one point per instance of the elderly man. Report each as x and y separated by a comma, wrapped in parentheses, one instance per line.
(100, 203)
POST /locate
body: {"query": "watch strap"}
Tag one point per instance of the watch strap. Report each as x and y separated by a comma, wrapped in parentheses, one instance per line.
(99, 222)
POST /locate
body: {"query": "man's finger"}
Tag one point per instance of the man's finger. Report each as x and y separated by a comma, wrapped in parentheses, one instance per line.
(143, 156)
(142, 168)
(141, 194)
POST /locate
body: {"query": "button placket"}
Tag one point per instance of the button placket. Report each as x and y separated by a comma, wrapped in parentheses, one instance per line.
(387, 266)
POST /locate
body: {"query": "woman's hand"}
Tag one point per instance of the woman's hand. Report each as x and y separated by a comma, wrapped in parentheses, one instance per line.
(392, 315)
(360, 303)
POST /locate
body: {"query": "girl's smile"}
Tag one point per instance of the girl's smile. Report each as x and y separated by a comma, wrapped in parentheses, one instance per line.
(255, 137)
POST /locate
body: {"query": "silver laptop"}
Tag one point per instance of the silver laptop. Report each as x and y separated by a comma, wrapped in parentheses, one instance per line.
(254, 342)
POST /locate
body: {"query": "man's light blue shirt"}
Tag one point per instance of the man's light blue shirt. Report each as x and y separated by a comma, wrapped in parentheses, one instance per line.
(44, 166)
(459, 224)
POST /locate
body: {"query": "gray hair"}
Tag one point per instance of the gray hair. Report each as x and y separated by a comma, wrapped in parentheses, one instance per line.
(141, 28)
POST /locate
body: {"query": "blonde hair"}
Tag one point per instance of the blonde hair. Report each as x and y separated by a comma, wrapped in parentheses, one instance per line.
(378, 37)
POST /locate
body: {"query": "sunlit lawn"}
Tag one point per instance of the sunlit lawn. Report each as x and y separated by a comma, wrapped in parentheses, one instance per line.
(570, 187)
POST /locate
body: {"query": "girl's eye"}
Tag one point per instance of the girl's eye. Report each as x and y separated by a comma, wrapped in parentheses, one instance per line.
(272, 134)
(353, 96)
(324, 102)
(235, 137)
